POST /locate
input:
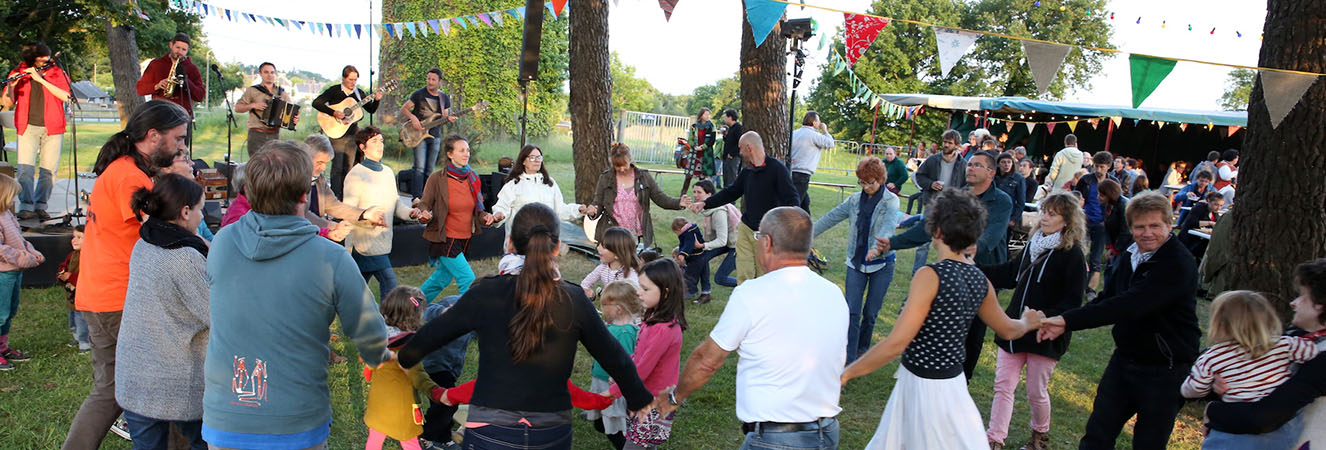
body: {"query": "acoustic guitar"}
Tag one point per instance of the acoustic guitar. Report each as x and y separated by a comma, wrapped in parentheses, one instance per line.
(412, 137)
(353, 111)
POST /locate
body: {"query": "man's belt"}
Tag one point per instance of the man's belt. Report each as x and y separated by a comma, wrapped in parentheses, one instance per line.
(780, 427)
(266, 130)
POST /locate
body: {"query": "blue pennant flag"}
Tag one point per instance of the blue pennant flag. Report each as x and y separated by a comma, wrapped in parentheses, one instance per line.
(391, 31)
(433, 23)
(410, 27)
(763, 15)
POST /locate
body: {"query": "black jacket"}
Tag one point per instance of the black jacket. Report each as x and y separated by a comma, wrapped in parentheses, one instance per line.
(1052, 284)
(929, 172)
(1153, 309)
(730, 138)
(1274, 410)
(764, 187)
(1116, 225)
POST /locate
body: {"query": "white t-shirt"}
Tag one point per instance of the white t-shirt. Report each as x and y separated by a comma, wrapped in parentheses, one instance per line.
(789, 328)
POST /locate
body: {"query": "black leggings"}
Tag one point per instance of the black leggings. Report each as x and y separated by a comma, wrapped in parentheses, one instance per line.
(617, 439)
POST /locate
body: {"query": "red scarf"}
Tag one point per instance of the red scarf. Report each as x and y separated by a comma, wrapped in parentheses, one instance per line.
(464, 174)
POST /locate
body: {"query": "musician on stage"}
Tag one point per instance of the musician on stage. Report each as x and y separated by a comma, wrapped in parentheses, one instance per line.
(254, 101)
(425, 104)
(39, 117)
(347, 151)
(156, 79)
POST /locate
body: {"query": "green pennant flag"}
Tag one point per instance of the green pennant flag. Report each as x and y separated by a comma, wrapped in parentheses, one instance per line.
(1147, 73)
(838, 67)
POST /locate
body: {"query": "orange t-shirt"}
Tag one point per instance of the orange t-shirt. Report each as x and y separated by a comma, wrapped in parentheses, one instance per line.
(460, 209)
(112, 230)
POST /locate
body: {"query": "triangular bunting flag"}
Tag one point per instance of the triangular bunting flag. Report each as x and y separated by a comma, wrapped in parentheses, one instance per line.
(1183, 127)
(1147, 73)
(1031, 127)
(496, 16)
(952, 45)
(515, 12)
(483, 17)
(433, 23)
(409, 26)
(446, 27)
(391, 29)
(474, 20)
(1135, 122)
(763, 15)
(1282, 90)
(461, 22)
(228, 15)
(1044, 60)
(329, 29)
(423, 28)
(358, 29)
(400, 31)
(1072, 126)
(1233, 129)
(382, 30)
(838, 67)
(1209, 126)
(666, 5)
(861, 32)
(1160, 123)
(282, 23)
(874, 101)
(558, 5)
(1118, 120)
(549, 5)
(1050, 126)
(349, 29)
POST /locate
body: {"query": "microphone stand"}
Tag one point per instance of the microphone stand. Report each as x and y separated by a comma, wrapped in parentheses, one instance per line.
(77, 212)
(183, 82)
(230, 127)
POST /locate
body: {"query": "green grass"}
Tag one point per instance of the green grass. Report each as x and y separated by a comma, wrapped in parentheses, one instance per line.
(39, 398)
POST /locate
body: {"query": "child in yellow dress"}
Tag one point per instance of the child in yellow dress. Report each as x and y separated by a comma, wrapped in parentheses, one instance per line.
(394, 394)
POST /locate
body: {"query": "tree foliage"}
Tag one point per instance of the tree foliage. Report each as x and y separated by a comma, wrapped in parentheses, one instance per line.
(722, 94)
(479, 63)
(628, 91)
(1236, 94)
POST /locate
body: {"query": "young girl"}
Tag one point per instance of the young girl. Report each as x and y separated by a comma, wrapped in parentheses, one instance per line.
(68, 273)
(621, 310)
(394, 396)
(617, 260)
(1247, 350)
(657, 354)
(16, 254)
(930, 387)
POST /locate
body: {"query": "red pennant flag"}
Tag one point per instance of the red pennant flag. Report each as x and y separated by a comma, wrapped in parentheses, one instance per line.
(1050, 126)
(557, 7)
(667, 5)
(1233, 129)
(861, 31)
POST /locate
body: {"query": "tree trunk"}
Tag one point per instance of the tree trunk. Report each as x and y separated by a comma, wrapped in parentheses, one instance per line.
(123, 51)
(591, 93)
(764, 88)
(1280, 218)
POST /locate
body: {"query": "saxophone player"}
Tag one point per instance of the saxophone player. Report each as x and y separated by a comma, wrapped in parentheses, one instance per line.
(160, 80)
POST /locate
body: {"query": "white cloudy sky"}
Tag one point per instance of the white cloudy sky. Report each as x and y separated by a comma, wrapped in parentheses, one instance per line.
(702, 42)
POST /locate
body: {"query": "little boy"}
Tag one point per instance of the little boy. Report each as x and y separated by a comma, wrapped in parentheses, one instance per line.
(443, 366)
(690, 247)
(68, 273)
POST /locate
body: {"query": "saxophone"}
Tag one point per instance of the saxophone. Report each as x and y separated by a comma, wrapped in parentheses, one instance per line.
(170, 87)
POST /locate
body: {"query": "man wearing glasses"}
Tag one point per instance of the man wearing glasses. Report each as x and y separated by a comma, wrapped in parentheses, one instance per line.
(990, 249)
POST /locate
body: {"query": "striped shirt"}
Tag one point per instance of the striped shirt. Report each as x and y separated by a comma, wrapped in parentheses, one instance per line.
(1248, 379)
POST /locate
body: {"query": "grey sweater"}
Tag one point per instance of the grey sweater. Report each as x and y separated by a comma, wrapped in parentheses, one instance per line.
(163, 334)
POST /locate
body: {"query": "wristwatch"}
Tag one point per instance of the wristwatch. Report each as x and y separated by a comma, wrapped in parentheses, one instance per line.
(672, 398)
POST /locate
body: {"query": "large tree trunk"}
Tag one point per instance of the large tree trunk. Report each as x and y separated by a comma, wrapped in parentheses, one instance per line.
(123, 51)
(591, 93)
(1280, 217)
(764, 88)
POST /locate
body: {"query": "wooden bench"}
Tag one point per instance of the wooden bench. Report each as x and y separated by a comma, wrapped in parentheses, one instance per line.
(842, 188)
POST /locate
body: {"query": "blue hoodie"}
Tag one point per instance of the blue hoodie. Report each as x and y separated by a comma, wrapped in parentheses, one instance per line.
(276, 287)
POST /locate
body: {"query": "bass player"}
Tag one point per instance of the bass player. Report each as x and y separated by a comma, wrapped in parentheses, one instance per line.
(427, 103)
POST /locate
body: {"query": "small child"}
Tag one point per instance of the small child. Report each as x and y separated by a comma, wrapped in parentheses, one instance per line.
(621, 310)
(690, 245)
(617, 260)
(16, 254)
(392, 408)
(68, 273)
(1249, 354)
(657, 354)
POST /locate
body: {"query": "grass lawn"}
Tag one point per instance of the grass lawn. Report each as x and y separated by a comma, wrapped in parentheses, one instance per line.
(39, 398)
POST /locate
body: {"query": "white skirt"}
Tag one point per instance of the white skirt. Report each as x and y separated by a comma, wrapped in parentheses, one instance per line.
(614, 417)
(925, 413)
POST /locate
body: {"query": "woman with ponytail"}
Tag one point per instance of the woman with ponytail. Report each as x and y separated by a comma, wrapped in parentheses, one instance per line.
(527, 326)
(149, 142)
(160, 362)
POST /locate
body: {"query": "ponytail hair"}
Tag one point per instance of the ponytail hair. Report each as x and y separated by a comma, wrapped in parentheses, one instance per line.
(157, 115)
(169, 194)
(534, 234)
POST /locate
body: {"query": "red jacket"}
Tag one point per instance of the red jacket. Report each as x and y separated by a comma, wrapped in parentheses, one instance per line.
(159, 68)
(54, 114)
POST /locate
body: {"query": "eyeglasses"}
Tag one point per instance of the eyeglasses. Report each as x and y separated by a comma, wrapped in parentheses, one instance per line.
(866, 183)
(534, 157)
(760, 236)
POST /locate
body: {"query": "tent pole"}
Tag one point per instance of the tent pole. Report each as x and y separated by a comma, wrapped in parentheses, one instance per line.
(873, 120)
(1109, 133)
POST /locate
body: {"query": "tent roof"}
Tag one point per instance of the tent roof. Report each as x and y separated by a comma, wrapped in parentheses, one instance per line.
(1042, 111)
(85, 89)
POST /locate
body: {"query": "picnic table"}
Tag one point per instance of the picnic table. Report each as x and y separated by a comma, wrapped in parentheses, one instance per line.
(842, 188)
(1201, 233)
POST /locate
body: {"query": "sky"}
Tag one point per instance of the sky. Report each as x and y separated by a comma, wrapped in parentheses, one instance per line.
(701, 43)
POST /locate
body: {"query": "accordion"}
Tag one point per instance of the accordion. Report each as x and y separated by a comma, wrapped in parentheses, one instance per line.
(280, 114)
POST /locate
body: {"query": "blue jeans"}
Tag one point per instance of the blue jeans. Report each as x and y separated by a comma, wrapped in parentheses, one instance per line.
(9, 287)
(497, 437)
(79, 327)
(861, 323)
(922, 253)
(697, 270)
(1284, 437)
(448, 269)
(1098, 236)
(826, 438)
(425, 157)
(29, 200)
(731, 166)
(386, 280)
(153, 434)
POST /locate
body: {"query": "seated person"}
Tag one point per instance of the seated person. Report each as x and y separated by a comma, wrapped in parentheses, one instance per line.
(1202, 215)
(1192, 193)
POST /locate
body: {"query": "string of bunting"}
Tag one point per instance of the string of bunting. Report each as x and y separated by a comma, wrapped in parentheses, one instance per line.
(1283, 88)
(418, 28)
(861, 92)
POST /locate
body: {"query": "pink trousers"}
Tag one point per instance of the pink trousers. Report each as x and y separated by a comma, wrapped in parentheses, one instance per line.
(376, 438)
(1008, 369)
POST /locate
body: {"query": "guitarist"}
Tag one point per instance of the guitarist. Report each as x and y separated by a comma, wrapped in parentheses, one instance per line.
(347, 152)
(254, 101)
(424, 104)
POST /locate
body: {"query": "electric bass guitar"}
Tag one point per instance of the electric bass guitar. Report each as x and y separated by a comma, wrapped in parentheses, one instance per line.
(353, 111)
(412, 137)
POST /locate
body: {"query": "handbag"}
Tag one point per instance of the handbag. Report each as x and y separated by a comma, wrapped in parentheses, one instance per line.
(651, 430)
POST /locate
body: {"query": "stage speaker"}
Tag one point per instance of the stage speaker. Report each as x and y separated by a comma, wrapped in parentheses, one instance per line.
(529, 47)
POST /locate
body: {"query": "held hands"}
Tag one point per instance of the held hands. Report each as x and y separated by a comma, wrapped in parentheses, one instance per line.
(696, 207)
(486, 218)
(374, 216)
(660, 403)
(882, 245)
(589, 210)
(1032, 318)
(494, 218)
(686, 201)
(420, 215)
(340, 231)
(1051, 329)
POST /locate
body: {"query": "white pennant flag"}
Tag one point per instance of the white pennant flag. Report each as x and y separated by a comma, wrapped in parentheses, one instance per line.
(1044, 60)
(1031, 127)
(952, 45)
(1282, 90)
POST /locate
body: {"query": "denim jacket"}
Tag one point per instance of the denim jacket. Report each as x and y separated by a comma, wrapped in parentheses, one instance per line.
(882, 224)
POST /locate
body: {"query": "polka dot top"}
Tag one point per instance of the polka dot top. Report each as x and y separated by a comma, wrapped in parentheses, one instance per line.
(937, 351)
